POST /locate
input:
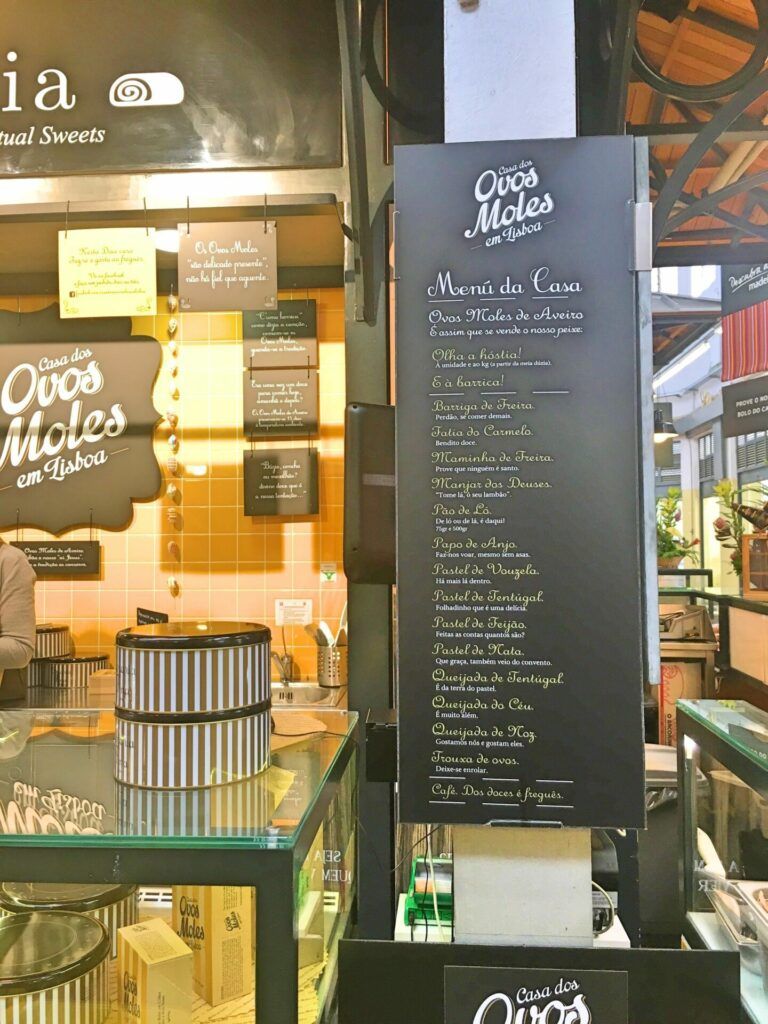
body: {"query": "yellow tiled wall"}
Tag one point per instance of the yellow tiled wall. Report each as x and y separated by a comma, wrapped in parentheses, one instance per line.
(229, 566)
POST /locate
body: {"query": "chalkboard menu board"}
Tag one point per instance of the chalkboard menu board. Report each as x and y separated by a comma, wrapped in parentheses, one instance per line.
(518, 485)
(280, 403)
(281, 482)
(62, 557)
(286, 336)
(744, 285)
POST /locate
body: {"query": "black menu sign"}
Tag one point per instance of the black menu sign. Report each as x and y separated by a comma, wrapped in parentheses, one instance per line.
(281, 482)
(232, 265)
(518, 480)
(286, 336)
(76, 420)
(280, 403)
(745, 406)
(495, 995)
(146, 617)
(62, 557)
(744, 286)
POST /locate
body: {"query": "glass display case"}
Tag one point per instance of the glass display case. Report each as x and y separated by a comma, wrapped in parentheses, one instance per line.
(257, 877)
(723, 777)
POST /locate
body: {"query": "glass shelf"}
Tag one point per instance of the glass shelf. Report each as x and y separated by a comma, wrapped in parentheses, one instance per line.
(735, 722)
(712, 935)
(57, 785)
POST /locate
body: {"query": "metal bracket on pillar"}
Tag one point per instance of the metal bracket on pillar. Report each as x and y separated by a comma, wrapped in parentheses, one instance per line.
(348, 19)
(642, 248)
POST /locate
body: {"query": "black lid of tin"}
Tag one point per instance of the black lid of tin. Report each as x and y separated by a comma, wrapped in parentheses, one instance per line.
(192, 635)
(46, 949)
(50, 627)
(90, 659)
(27, 896)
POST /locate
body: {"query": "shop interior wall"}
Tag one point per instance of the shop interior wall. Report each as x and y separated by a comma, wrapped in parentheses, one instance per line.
(230, 566)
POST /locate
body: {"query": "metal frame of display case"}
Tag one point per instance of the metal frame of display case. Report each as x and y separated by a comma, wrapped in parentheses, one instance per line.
(735, 761)
(175, 860)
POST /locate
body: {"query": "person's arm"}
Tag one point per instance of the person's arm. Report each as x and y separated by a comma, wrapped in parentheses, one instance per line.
(17, 615)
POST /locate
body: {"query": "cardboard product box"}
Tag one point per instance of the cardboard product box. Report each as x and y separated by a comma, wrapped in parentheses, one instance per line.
(215, 921)
(680, 680)
(154, 975)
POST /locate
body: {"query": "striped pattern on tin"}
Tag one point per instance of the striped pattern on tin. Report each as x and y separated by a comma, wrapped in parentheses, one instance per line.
(114, 916)
(38, 671)
(227, 810)
(192, 680)
(164, 756)
(84, 1000)
(52, 642)
(66, 673)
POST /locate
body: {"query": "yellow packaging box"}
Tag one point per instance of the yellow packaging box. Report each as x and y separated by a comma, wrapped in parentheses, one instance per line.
(154, 975)
(215, 921)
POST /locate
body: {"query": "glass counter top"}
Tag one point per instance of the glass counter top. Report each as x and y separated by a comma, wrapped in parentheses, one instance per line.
(57, 785)
(739, 724)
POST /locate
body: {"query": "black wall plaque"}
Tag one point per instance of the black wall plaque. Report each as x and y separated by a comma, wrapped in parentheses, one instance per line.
(666, 986)
(520, 651)
(146, 617)
(286, 336)
(281, 482)
(169, 85)
(280, 403)
(62, 557)
(745, 406)
(743, 285)
(76, 421)
(228, 265)
(520, 994)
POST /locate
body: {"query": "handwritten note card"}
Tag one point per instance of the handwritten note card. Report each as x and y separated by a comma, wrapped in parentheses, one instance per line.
(228, 266)
(107, 272)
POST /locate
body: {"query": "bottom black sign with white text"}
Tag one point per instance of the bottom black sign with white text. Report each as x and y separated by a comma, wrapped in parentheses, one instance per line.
(281, 482)
(519, 995)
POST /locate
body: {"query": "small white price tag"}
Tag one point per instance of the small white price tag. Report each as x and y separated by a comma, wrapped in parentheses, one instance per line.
(293, 612)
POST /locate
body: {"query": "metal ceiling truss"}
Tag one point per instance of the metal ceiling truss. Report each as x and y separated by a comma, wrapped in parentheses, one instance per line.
(728, 122)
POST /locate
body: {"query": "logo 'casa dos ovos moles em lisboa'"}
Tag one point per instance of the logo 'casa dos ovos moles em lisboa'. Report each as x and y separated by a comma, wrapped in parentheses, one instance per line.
(53, 91)
(508, 210)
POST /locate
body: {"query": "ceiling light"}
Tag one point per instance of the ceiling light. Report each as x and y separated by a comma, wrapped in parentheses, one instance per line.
(167, 240)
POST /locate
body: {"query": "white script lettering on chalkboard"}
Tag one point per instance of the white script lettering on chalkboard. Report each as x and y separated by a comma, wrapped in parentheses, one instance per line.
(497, 218)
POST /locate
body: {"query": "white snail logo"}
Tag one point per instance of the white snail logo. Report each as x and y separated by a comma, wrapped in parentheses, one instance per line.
(146, 89)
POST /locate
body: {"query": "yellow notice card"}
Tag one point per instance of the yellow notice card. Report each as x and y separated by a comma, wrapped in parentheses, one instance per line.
(107, 272)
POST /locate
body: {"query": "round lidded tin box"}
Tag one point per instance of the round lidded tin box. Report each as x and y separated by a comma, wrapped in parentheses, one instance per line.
(73, 673)
(114, 906)
(52, 641)
(54, 966)
(192, 704)
(192, 667)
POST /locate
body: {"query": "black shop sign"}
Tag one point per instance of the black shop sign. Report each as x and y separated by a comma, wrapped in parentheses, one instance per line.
(743, 285)
(62, 557)
(745, 406)
(127, 85)
(286, 336)
(518, 485)
(76, 421)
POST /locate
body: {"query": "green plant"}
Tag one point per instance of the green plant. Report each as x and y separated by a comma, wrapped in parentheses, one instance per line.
(670, 543)
(729, 526)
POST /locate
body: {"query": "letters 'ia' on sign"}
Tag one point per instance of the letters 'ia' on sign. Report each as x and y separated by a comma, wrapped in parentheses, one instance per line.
(76, 421)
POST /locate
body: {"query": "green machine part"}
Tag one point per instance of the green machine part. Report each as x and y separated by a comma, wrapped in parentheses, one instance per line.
(419, 901)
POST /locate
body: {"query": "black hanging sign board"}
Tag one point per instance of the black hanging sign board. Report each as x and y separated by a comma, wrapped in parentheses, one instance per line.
(228, 265)
(146, 617)
(743, 285)
(280, 403)
(169, 85)
(281, 482)
(529, 995)
(76, 421)
(745, 406)
(286, 336)
(518, 485)
(62, 557)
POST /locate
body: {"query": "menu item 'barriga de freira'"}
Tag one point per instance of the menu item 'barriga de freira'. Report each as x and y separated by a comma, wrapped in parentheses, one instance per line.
(519, 523)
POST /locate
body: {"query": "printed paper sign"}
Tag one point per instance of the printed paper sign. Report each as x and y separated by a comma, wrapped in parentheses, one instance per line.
(522, 995)
(107, 272)
(293, 612)
(76, 421)
(228, 266)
